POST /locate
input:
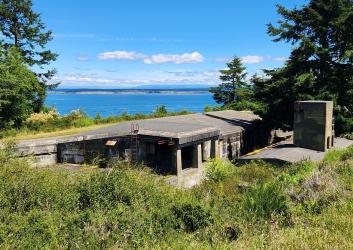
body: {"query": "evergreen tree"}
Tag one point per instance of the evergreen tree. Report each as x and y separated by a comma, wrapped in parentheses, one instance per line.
(320, 65)
(232, 79)
(19, 89)
(22, 27)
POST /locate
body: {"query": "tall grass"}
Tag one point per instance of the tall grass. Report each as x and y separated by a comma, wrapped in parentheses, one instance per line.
(257, 205)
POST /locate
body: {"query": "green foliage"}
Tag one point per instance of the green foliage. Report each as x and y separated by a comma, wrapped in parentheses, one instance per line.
(233, 91)
(207, 109)
(19, 89)
(191, 217)
(161, 110)
(266, 200)
(98, 116)
(23, 29)
(320, 65)
(128, 207)
(218, 170)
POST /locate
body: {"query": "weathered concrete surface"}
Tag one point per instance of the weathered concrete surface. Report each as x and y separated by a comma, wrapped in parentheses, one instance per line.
(206, 150)
(188, 178)
(313, 124)
(185, 128)
(216, 134)
(287, 152)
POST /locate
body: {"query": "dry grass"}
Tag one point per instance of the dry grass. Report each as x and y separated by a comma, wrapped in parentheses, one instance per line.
(71, 131)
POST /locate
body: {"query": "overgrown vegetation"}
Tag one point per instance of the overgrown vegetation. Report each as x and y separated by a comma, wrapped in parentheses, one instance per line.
(24, 62)
(320, 67)
(50, 120)
(256, 205)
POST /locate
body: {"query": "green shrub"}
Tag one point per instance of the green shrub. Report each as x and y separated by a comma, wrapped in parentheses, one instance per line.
(191, 217)
(161, 111)
(347, 154)
(266, 200)
(207, 109)
(217, 170)
(298, 172)
(128, 207)
(256, 172)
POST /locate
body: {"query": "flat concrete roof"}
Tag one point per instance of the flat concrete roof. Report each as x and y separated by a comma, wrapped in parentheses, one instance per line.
(286, 152)
(185, 128)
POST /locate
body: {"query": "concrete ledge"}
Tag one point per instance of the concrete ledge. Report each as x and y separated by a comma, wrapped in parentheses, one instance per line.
(286, 152)
(44, 160)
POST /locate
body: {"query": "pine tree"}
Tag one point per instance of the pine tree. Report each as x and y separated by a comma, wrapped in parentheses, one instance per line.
(320, 65)
(232, 79)
(22, 28)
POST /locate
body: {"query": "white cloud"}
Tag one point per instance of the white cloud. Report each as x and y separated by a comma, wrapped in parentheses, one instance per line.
(193, 57)
(252, 59)
(104, 79)
(74, 35)
(120, 55)
(199, 74)
(86, 79)
(83, 58)
(279, 59)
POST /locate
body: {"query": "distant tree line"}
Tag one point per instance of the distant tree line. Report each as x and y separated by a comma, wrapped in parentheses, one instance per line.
(23, 38)
(320, 67)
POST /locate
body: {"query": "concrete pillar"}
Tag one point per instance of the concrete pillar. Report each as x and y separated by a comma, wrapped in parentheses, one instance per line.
(142, 148)
(197, 156)
(206, 150)
(215, 149)
(220, 146)
(177, 161)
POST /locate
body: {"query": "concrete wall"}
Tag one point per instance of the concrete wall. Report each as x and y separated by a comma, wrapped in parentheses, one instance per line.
(313, 124)
(92, 151)
(159, 156)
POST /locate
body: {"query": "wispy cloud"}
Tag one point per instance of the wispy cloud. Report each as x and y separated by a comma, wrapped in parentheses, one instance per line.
(83, 58)
(206, 73)
(194, 57)
(207, 78)
(121, 55)
(73, 35)
(279, 59)
(252, 59)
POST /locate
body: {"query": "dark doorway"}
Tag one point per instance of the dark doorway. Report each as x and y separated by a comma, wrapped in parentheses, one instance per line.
(164, 157)
(187, 156)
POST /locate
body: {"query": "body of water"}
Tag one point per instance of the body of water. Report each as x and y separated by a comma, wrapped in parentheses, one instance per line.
(115, 104)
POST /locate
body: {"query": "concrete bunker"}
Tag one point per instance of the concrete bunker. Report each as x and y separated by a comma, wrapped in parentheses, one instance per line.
(169, 145)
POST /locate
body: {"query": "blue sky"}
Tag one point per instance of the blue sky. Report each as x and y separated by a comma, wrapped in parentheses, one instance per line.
(123, 44)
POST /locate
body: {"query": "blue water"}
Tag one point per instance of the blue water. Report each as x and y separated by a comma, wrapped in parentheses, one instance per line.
(115, 104)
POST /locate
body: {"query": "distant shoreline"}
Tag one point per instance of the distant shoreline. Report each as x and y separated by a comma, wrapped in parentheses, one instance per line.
(130, 91)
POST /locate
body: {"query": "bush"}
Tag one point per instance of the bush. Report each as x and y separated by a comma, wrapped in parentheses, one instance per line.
(161, 111)
(266, 200)
(318, 191)
(207, 109)
(217, 170)
(347, 154)
(128, 207)
(191, 217)
(256, 172)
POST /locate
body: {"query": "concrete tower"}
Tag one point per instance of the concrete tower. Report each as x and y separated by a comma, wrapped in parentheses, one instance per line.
(313, 125)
